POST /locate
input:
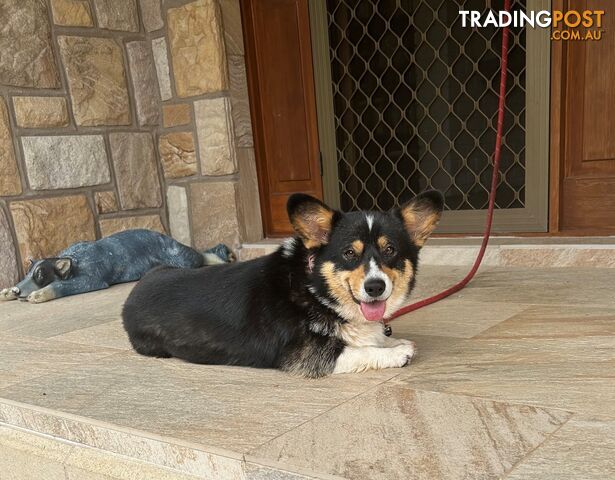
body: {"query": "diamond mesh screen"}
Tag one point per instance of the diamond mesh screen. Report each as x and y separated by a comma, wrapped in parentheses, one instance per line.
(415, 103)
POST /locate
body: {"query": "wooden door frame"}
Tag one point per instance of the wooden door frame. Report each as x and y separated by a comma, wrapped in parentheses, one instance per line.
(247, 23)
(255, 98)
(557, 124)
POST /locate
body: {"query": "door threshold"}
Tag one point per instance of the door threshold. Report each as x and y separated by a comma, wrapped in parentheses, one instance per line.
(537, 252)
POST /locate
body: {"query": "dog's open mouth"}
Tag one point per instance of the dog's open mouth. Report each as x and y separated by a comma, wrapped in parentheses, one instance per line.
(372, 311)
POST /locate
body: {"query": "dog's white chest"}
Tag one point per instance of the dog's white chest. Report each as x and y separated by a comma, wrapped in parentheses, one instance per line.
(361, 334)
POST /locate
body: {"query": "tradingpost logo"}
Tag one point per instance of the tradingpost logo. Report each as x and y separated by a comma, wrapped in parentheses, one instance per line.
(565, 25)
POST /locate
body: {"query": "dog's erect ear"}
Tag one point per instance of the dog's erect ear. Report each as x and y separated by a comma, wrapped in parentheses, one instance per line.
(63, 267)
(311, 219)
(31, 263)
(421, 215)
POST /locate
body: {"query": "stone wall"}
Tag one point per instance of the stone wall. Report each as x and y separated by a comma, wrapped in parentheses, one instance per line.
(118, 114)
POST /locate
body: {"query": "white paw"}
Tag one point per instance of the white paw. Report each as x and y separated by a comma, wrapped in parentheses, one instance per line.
(40, 296)
(7, 294)
(402, 354)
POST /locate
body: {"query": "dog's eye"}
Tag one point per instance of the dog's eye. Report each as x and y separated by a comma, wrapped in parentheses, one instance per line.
(349, 254)
(389, 251)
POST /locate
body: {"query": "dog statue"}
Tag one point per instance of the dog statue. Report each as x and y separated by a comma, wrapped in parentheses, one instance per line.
(123, 257)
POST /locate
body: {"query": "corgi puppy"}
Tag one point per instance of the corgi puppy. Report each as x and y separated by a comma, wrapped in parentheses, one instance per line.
(314, 307)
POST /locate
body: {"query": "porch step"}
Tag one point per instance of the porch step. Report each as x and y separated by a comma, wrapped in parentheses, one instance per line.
(39, 443)
(502, 251)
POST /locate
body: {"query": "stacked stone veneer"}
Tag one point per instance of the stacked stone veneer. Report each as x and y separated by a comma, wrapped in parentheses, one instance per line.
(118, 114)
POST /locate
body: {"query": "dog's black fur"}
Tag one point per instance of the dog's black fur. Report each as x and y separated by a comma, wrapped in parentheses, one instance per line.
(296, 309)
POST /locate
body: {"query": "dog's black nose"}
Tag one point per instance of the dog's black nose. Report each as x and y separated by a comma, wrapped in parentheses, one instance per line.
(374, 287)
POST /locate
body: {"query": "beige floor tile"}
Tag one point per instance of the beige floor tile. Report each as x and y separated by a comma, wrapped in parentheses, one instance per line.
(515, 337)
(454, 318)
(112, 448)
(548, 286)
(229, 407)
(109, 335)
(556, 321)
(396, 432)
(575, 374)
(22, 359)
(258, 471)
(64, 314)
(90, 464)
(584, 448)
(428, 346)
(125, 442)
(26, 456)
(432, 279)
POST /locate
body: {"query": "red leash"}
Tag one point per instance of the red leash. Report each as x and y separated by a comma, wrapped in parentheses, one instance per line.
(494, 183)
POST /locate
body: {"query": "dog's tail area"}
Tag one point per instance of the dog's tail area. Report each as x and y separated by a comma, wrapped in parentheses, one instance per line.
(217, 255)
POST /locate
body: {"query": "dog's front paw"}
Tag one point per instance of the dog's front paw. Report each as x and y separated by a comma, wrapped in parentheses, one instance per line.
(403, 354)
(7, 294)
(40, 296)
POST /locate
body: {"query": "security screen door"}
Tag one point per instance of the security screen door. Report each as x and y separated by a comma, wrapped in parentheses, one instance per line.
(407, 100)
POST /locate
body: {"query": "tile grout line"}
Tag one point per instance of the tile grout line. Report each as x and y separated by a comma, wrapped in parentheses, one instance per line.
(170, 441)
(250, 451)
(55, 337)
(496, 400)
(531, 452)
(141, 434)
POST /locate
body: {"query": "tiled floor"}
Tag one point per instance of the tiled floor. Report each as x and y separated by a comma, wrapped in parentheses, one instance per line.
(515, 378)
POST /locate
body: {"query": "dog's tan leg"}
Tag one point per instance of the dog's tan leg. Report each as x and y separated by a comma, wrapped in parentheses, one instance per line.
(7, 294)
(43, 295)
(359, 359)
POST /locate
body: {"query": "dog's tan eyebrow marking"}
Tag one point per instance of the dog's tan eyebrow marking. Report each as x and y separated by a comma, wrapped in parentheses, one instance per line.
(358, 247)
(383, 241)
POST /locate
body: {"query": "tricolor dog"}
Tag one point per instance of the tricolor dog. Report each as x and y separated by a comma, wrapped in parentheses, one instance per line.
(314, 307)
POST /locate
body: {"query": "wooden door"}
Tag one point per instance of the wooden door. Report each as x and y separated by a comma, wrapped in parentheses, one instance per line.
(282, 101)
(587, 195)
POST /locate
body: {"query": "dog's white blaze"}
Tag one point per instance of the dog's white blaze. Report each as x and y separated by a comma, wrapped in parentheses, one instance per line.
(370, 221)
(359, 359)
(288, 247)
(375, 272)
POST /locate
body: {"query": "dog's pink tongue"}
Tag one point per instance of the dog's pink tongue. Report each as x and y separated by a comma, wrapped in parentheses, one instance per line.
(373, 311)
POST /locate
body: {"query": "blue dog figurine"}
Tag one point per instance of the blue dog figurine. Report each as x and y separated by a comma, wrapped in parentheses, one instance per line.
(122, 257)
